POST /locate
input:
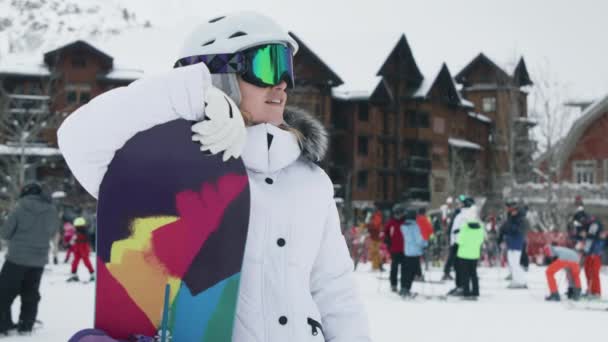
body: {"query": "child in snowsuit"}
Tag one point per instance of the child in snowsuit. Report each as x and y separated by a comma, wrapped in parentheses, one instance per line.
(470, 240)
(563, 258)
(414, 248)
(81, 249)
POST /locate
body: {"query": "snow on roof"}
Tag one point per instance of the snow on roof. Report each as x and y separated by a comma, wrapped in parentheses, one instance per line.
(526, 120)
(579, 127)
(23, 64)
(461, 143)
(124, 74)
(350, 95)
(41, 151)
(466, 102)
(480, 117)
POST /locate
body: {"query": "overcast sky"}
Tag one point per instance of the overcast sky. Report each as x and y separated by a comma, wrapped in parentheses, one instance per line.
(354, 37)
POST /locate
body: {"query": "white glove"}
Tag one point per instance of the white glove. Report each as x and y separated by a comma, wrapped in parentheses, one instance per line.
(223, 128)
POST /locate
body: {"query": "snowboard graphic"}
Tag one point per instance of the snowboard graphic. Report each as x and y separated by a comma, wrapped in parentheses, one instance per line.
(169, 214)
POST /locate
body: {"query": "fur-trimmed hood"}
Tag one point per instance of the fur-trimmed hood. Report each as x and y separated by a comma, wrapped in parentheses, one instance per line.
(314, 141)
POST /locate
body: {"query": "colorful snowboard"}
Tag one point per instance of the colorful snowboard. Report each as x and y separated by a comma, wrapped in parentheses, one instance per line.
(170, 214)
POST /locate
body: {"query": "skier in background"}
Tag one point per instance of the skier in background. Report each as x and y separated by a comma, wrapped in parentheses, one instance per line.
(413, 249)
(426, 229)
(594, 238)
(514, 229)
(466, 213)
(470, 240)
(562, 258)
(451, 215)
(69, 238)
(81, 250)
(28, 230)
(394, 240)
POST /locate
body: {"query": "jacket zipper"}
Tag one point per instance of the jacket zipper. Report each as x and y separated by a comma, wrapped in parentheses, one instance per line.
(315, 325)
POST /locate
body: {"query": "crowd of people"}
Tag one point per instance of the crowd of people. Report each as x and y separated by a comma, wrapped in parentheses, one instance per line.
(409, 238)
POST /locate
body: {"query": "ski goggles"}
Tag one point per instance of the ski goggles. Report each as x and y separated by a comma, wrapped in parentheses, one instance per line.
(264, 66)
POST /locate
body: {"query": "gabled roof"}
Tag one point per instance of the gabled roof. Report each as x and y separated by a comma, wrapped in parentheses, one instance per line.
(447, 85)
(333, 79)
(480, 59)
(382, 94)
(520, 74)
(51, 56)
(586, 119)
(401, 59)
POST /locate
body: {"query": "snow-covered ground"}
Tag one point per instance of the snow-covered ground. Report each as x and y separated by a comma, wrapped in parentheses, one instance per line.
(499, 315)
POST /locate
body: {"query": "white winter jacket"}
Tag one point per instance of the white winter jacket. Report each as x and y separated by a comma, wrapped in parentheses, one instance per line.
(296, 270)
(464, 216)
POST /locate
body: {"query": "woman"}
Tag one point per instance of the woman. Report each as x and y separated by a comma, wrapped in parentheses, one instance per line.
(296, 279)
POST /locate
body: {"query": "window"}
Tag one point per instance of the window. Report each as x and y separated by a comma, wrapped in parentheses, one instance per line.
(78, 93)
(363, 111)
(362, 180)
(72, 97)
(79, 62)
(85, 97)
(417, 119)
(439, 125)
(584, 171)
(362, 146)
(488, 104)
(419, 149)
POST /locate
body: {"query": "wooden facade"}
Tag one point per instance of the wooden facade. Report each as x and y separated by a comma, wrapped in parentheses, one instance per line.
(398, 143)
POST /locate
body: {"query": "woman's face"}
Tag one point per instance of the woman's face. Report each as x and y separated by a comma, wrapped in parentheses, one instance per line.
(264, 105)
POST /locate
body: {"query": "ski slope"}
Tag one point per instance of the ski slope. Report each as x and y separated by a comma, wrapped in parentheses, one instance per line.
(499, 315)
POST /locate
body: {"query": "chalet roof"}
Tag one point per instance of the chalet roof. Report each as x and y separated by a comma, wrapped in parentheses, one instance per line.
(333, 78)
(402, 56)
(443, 77)
(587, 118)
(23, 65)
(50, 56)
(461, 77)
(382, 93)
(480, 117)
(520, 74)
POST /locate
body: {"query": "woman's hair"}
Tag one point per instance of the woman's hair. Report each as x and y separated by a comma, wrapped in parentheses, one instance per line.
(229, 84)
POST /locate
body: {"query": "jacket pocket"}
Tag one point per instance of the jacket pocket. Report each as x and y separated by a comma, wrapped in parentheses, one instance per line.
(315, 327)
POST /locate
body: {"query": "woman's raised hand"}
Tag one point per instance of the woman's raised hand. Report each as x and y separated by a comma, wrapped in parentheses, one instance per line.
(223, 128)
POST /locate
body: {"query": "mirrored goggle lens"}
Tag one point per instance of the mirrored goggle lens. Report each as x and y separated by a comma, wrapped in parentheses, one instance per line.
(271, 64)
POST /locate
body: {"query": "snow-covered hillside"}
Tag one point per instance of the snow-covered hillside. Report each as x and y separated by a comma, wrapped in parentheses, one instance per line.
(28, 26)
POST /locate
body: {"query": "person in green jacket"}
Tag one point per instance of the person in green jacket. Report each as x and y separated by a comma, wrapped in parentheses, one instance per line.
(470, 240)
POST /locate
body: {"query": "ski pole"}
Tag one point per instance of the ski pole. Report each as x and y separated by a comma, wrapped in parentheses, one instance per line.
(164, 323)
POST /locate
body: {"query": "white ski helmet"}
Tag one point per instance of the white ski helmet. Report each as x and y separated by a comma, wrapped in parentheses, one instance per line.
(234, 32)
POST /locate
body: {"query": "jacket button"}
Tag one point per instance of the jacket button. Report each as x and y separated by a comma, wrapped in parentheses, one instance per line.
(281, 242)
(282, 320)
(269, 181)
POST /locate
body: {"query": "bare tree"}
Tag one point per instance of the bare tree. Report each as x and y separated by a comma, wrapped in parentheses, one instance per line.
(554, 120)
(23, 149)
(464, 171)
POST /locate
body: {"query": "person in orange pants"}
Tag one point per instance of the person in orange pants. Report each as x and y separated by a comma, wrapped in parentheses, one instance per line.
(594, 237)
(563, 258)
(81, 249)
